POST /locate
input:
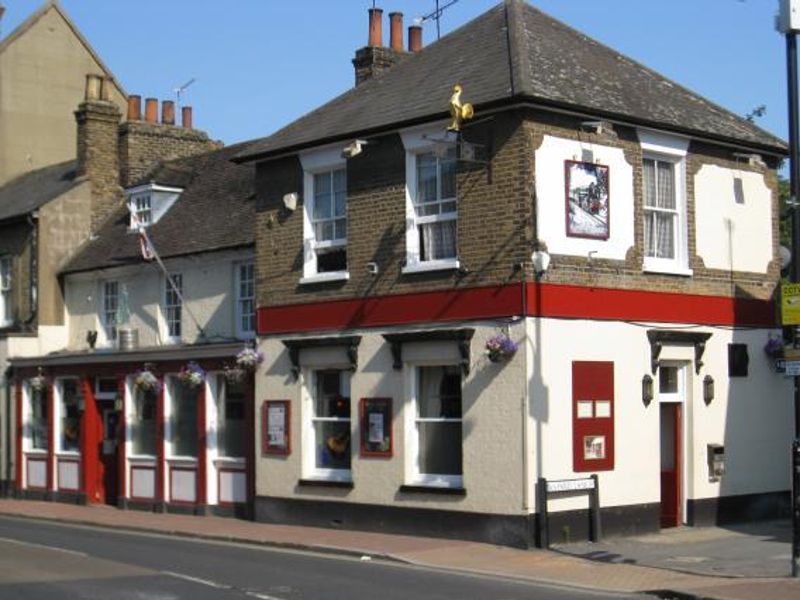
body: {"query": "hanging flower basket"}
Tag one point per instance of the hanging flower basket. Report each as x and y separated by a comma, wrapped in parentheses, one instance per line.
(774, 346)
(38, 383)
(145, 380)
(234, 374)
(501, 348)
(248, 359)
(192, 375)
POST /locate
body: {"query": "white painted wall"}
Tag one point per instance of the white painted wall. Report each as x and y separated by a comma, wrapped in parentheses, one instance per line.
(208, 291)
(492, 426)
(733, 236)
(751, 416)
(551, 199)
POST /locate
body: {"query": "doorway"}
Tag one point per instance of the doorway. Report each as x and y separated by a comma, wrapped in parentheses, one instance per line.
(108, 453)
(672, 393)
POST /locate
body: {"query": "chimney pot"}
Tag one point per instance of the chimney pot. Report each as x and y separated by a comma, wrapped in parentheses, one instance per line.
(168, 112)
(105, 89)
(93, 85)
(415, 38)
(186, 117)
(134, 107)
(151, 110)
(396, 31)
(375, 27)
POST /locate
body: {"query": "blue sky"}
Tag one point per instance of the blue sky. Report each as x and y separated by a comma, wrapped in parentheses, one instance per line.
(259, 64)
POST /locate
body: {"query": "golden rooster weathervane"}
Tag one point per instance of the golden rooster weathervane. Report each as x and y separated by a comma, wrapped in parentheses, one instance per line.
(459, 111)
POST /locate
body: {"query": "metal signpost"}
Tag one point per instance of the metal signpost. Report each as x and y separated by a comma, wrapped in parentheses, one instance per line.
(789, 24)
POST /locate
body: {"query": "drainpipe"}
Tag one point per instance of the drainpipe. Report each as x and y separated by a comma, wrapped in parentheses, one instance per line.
(9, 374)
(33, 295)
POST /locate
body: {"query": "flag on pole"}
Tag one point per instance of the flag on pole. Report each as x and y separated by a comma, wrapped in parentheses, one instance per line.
(148, 253)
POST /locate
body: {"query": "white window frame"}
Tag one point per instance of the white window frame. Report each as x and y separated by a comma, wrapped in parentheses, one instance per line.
(109, 325)
(171, 381)
(166, 306)
(308, 441)
(421, 141)
(669, 149)
(240, 316)
(131, 420)
(6, 290)
(317, 162)
(413, 476)
(58, 414)
(142, 210)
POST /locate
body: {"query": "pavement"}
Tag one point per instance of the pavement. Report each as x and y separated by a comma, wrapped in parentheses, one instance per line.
(743, 563)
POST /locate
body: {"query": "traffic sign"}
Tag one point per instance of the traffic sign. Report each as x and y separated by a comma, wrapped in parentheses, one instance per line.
(790, 303)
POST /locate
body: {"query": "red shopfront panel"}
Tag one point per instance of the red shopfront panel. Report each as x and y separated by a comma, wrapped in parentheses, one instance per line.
(592, 416)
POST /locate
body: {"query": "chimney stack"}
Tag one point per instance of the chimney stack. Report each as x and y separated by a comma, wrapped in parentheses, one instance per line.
(374, 59)
(151, 110)
(375, 28)
(134, 108)
(396, 31)
(97, 149)
(167, 112)
(186, 117)
(415, 38)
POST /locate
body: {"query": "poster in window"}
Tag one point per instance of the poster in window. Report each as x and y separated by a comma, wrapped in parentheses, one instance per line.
(587, 200)
(276, 437)
(376, 427)
(594, 447)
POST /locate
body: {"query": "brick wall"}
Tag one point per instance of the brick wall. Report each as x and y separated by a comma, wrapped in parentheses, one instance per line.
(494, 229)
(496, 223)
(142, 145)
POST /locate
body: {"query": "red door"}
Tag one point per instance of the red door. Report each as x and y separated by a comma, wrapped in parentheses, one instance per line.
(108, 454)
(670, 464)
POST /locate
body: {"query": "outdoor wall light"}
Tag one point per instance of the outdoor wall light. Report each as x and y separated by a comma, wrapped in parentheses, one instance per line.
(708, 389)
(541, 262)
(647, 390)
(290, 201)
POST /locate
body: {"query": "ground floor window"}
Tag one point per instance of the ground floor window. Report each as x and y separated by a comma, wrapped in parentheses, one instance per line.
(230, 418)
(183, 418)
(330, 423)
(438, 426)
(70, 418)
(39, 418)
(143, 422)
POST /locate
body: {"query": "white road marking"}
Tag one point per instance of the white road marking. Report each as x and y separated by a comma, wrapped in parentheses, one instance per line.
(43, 546)
(262, 596)
(214, 584)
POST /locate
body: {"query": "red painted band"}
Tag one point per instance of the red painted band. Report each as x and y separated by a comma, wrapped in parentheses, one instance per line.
(545, 300)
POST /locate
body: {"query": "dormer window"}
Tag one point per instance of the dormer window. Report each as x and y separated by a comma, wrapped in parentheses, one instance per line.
(148, 203)
(141, 209)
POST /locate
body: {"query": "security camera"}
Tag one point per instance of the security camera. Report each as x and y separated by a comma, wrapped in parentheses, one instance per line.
(353, 149)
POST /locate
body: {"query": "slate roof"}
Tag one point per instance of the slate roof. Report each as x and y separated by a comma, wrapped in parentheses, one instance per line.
(27, 192)
(512, 53)
(216, 211)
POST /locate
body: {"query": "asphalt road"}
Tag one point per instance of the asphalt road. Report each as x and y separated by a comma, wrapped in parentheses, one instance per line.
(40, 560)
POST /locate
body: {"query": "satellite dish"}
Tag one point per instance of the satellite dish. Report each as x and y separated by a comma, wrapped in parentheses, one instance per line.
(786, 256)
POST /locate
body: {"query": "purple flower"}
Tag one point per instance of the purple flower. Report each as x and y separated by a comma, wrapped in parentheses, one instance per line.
(500, 347)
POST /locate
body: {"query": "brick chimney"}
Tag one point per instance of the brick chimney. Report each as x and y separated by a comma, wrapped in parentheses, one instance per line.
(375, 59)
(145, 143)
(98, 120)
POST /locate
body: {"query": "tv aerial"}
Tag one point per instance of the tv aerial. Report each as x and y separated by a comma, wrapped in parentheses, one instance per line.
(179, 90)
(437, 15)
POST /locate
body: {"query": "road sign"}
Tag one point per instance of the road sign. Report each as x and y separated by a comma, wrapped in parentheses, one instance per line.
(790, 303)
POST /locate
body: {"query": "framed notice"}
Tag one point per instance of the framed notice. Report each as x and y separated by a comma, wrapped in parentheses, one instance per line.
(587, 200)
(376, 427)
(276, 420)
(594, 447)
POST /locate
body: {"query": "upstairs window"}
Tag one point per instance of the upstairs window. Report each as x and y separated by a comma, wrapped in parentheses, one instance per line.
(246, 300)
(665, 223)
(324, 216)
(110, 308)
(142, 210)
(435, 206)
(5, 291)
(173, 306)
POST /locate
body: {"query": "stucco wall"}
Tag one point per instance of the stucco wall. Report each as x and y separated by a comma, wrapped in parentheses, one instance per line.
(42, 78)
(735, 236)
(751, 416)
(208, 290)
(492, 405)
